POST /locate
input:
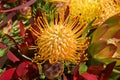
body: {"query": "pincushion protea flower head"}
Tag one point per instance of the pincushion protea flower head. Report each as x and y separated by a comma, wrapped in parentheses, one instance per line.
(87, 10)
(60, 40)
(109, 8)
(91, 9)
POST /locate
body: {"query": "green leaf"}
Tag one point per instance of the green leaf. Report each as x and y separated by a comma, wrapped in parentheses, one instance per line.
(113, 20)
(109, 60)
(88, 28)
(96, 47)
(114, 77)
(3, 51)
(83, 68)
(116, 71)
(107, 52)
(105, 32)
(99, 32)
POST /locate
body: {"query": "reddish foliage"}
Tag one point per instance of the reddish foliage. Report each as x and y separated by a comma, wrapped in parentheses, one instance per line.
(3, 59)
(22, 69)
(25, 70)
(107, 72)
(76, 75)
(38, 13)
(12, 57)
(9, 16)
(95, 69)
(2, 46)
(9, 1)
(12, 1)
(24, 49)
(22, 30)
(8, 74)
(28, 69)
(94, 72)
(30, 39)
(89, 76)
(26, 41)
(30, 2)
(1, 4)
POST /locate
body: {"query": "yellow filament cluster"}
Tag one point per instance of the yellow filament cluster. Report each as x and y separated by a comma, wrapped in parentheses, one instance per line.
(109, 8)
(88, 10)
(59, 41)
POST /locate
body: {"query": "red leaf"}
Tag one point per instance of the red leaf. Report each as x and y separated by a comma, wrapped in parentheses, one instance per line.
(12, 1)
(22, 69)
(107, 72)
(13, 40)
(2, 46)
(32, 70)
(24, 49)
(38, 12)
(32, 21)
(89, 76)
(8, 74)
(22, 30)
(9, 1)
(95, 69)
(30, 2)
(31, 38)
(1, 4)
(3, 59)
(76, 75)
(12, 57)
(27, 69)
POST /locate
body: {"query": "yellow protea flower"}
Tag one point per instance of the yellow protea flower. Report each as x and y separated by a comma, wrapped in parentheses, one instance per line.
(87, 10)
(109, 8)
(60, 40)
(91, 9)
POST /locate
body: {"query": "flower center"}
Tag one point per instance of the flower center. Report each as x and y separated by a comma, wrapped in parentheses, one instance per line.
(57, 43)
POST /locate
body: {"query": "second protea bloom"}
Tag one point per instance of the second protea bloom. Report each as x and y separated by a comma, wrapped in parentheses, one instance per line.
(89, 10)
(60, 40)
